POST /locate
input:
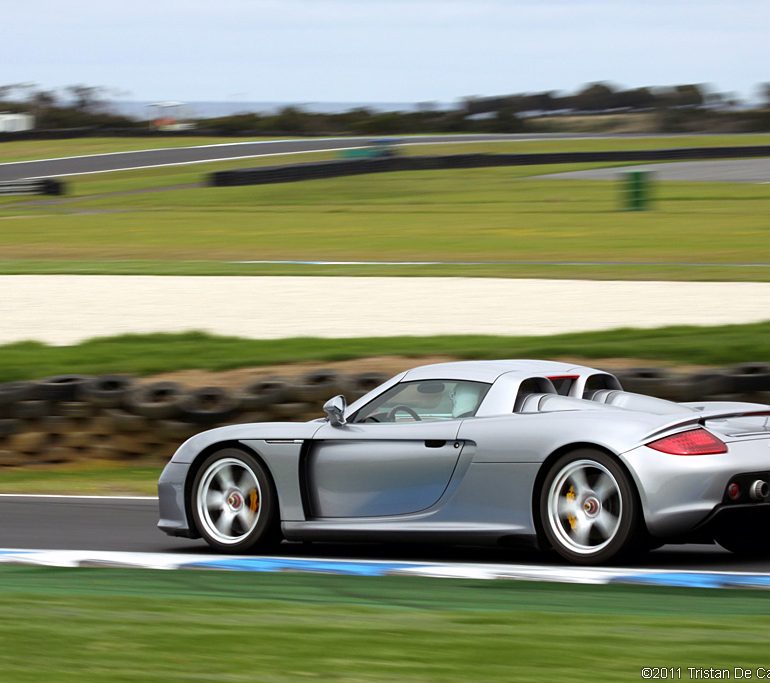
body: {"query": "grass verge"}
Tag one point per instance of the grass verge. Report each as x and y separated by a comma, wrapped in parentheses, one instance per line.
(513, 222)
(83, 479)
(145, 354)
(137, 625)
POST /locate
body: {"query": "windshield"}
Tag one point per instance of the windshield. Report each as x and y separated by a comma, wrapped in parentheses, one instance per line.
(425, 400)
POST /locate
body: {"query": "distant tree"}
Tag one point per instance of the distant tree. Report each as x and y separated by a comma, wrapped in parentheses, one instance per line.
(595, 97)
(636, 98)
(86, 98)
(689, 95)
(506, 121)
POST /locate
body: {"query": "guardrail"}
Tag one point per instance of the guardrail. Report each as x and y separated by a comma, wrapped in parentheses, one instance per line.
(347, 167)
(36, 186)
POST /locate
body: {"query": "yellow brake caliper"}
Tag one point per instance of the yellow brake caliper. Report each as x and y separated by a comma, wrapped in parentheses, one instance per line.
(571, 518)
(253, 500)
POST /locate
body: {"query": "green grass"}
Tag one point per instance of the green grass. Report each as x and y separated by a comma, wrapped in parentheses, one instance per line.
(483, 215)
(83, 478)
(118, 223)
(144, 354)
(137, 625)
(591, 144)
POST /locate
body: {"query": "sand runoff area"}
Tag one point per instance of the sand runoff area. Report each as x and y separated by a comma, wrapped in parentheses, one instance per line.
(65, 309)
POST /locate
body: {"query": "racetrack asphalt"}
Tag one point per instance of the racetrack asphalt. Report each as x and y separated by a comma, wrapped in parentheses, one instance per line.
(128, 524)
(718, 171)
(100, 163)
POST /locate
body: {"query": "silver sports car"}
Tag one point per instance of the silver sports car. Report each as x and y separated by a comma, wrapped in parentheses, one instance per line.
(502, 452)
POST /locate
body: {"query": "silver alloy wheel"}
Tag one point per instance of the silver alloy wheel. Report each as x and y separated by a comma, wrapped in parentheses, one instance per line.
(584, 506)
(229, 500)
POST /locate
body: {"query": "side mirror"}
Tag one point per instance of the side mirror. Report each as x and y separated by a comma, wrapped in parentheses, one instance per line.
(335, 410)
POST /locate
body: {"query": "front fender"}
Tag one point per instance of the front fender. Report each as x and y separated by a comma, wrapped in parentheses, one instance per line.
(256, 431)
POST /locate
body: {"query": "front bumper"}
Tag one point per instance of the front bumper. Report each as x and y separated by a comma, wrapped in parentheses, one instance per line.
(171, 501)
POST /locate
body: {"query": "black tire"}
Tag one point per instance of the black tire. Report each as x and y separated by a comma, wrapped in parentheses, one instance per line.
(75, 409)
(58, 388)
(363, 383)
(264, 392)
(243, 536)
(588, 508)
(107, 391)
(122, 421)
(9, 426)
(157, 401)
(648, 381)
(31, 410)
(208, 405)
(319, 385)
(13, 392)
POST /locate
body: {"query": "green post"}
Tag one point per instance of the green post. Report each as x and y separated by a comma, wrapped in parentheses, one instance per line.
(637, 190)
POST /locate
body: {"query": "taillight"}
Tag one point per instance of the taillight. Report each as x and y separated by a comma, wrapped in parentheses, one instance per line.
(693, 442)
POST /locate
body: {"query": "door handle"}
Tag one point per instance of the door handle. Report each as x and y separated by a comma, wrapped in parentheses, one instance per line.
(433, 443)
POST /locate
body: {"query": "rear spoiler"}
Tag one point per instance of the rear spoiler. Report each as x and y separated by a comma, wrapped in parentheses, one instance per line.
(703, 414)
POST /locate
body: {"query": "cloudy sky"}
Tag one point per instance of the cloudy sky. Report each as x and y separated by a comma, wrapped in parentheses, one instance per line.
(381, 50)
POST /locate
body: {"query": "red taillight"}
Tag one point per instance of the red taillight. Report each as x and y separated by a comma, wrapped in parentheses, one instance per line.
(693, 442)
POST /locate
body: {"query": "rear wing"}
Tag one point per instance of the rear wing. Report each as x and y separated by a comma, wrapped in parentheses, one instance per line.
(705, 412)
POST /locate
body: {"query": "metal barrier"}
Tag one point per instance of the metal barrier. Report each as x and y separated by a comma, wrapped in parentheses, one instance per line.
(32, 186)
(346, 167)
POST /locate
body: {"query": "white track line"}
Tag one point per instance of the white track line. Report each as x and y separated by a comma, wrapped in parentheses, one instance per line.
(439, 141)
(190, 163)
(173, 149)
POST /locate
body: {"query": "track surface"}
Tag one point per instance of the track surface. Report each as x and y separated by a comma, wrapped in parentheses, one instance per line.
(721, 171)
(101, 163)
(129, 525)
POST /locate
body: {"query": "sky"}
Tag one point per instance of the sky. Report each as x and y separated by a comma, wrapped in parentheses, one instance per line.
(381, 50)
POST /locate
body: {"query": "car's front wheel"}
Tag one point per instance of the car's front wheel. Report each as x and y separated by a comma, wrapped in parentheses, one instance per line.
(233, 502)
(588, 508)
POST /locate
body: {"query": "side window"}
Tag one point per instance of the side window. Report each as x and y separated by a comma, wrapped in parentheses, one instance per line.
(424, 401)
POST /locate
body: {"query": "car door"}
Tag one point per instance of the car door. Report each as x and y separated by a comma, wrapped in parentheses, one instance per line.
(375, 470)
(396, 456)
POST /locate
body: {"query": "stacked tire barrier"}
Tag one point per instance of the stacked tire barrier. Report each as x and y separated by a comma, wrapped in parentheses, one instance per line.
(349, 167)
(114, 417)
(68, 418)
(744, 382)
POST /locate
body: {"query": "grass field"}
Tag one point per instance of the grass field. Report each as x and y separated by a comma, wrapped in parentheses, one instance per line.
(86, 478)
(147, 354)
(112, 223)
(137, 625)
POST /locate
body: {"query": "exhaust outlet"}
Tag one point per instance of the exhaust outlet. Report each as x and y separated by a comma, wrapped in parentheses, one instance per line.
(759, 490)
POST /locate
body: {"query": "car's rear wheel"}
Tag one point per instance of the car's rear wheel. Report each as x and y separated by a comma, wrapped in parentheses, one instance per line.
(588, 507)
(234, 502)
